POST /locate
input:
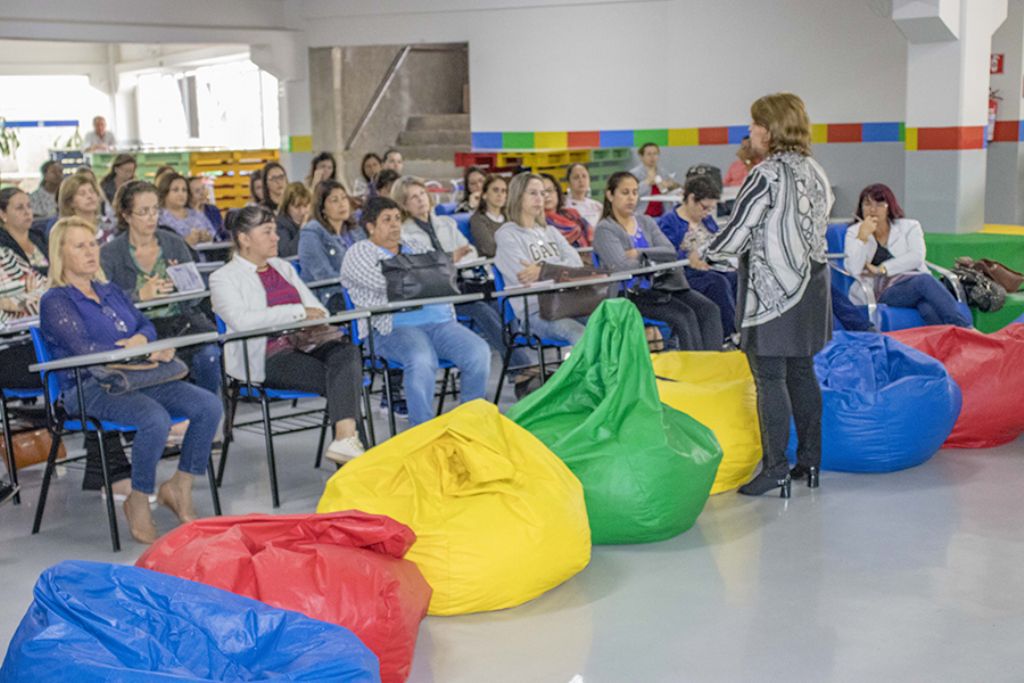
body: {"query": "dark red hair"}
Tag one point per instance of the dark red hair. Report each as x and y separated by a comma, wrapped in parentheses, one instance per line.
(879, 193)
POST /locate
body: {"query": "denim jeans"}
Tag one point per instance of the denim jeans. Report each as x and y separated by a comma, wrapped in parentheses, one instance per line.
(720, 287)
(150, 412)
(569, 330)
(929, 296)
(418, 349)
(204, 367)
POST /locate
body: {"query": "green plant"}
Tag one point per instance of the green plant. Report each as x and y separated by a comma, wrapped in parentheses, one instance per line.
(9, 142)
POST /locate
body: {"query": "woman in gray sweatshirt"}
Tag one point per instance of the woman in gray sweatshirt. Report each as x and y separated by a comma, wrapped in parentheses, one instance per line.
(623, 238)
(523, 244)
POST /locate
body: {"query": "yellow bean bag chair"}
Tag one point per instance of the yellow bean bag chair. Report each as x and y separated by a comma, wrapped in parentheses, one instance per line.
(717, 390)
(499, 519)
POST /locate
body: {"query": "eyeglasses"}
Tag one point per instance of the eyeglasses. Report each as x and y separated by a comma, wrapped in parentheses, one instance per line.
(152, 211)
(276, 178)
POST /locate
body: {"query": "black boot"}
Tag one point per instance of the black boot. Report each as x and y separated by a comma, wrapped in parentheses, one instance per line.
(809, 471)
(766, 481)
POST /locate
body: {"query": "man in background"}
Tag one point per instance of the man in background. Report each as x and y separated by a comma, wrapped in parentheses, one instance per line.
(99, 139)
(44, 199)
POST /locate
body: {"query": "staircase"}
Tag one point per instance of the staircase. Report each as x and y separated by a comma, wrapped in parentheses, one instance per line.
(429, 143)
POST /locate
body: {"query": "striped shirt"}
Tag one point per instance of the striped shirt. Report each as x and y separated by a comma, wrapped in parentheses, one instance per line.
(20, 284)
(779, 222)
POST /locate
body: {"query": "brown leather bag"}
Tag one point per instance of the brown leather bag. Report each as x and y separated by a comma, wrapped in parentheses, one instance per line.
(30, 448)
(1008, 278)
(573, 303)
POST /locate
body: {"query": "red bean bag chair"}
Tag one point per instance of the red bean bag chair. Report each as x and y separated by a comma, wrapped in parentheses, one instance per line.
(990, 371)
(345, 568)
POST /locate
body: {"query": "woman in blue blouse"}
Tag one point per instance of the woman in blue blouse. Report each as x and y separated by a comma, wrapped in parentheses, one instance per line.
(80, 314)
(690, 228)
(324, 240)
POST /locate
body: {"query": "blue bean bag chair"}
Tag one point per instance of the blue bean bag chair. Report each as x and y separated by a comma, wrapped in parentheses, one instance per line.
(885, 406)
(93, 622)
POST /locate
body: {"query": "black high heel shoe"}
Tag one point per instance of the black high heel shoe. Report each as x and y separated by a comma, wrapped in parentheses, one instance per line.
(811, 472)
(765, 482)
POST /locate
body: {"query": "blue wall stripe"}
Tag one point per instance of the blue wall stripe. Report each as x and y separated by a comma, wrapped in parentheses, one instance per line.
(487, 140)
(737, 133)
(616, 138)
(40, 124)
(880, 132)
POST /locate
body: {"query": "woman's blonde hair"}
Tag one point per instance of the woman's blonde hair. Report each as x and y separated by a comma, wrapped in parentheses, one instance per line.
(400, 191)
(57, 236)
(785, 117)
(516, 191)
(69, 188)
(294, 194)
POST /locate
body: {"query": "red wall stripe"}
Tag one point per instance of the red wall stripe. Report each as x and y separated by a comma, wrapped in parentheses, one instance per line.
(713, 136)
(1006, 131)
(584, 138)
(844, 132)
(951, 138)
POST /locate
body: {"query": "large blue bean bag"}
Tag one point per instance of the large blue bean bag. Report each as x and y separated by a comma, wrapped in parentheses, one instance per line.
(885, 406)
(102, 622)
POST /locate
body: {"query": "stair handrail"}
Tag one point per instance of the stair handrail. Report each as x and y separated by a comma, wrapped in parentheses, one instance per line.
(378, 94)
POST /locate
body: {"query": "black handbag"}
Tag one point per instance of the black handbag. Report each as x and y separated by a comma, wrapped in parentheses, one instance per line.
(419, 276)
(122, 378)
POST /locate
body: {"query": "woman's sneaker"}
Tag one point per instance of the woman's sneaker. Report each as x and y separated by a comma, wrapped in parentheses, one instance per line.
(401, 411)
(343, 450)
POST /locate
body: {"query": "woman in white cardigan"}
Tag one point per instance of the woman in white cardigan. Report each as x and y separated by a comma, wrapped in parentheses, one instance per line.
(885, 252)
(256, 289)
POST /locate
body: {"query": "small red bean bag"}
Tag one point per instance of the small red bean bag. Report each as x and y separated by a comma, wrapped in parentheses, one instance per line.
(345, 568)
(990, 371)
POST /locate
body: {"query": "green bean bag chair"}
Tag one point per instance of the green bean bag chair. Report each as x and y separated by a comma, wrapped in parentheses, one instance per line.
(646, 468)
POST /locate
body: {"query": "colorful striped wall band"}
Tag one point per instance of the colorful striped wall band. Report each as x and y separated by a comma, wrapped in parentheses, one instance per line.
(300, 143)
(914, 139)
(71, 123)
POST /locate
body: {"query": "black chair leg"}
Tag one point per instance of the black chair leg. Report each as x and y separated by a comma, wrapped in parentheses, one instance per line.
(505, 361)
(323, 437)
(12, 462)
(444, 390)
(115, 538)
(368, 415)
(229, 434)
(390, 399)
(271, 461)
(214, 493)
(51, 465)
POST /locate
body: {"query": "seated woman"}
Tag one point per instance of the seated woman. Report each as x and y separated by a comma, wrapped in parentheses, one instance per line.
(137, 261)
(82, 314)
(257, 289)
(275, 180)
(23, 269)
(488, 218)
(291, 216)
(621, 239)
(746, 159)
(176, 212)
(886, 252)
(323, 167)
(80, 196)
(368, 170)
(325, 239)
(199, 193)
(418, 338)
(472, 189)
(385, 179)
(122, 169)
(255, 188)
(690, 227)
(431, 232)
(576, 231)
(653, 180)
(578, 197)
(526, 242)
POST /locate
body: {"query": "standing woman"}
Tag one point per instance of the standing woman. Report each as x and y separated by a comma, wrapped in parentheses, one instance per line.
(623, 237)
(121, 171)
(275, 180)
(176, 212)
(578, 197)
(489, 216)
(778, 232)
(137, 261)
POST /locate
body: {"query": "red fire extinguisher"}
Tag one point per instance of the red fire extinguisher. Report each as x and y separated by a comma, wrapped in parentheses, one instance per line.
(993, 112)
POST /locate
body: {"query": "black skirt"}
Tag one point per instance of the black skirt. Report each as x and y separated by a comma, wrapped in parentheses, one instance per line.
(802, 330)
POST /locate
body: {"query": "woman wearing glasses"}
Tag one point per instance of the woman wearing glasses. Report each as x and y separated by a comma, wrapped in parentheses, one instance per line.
(690, 228)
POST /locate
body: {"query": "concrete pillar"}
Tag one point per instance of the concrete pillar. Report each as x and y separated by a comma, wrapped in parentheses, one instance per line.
(947, 108)
(286, 57)
(1004, 194)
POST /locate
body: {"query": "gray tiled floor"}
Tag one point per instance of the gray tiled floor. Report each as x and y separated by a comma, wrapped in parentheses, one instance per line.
(912, 576)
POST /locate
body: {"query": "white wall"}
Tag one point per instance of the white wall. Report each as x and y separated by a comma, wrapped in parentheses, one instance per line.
(584, 65)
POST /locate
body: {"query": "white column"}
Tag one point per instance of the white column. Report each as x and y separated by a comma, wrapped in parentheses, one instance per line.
(1004, 196)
